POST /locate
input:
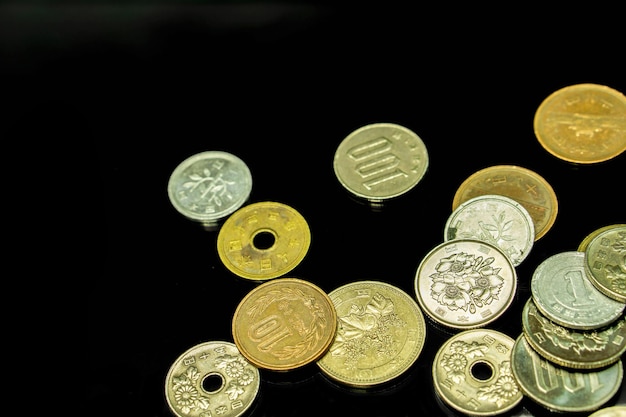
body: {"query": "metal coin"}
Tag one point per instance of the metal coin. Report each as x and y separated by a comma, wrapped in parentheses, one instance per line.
(380, 161)
(380, 335)
(572, 348)
(263, 240)
(585, 242)
(284, 324)
(472, 373)
(605, 262)
(612, 411)
(582, 123)
(211, 378)
(495, 219)
(563, 389)
(465, 283)
(207, 187)
(563, 292)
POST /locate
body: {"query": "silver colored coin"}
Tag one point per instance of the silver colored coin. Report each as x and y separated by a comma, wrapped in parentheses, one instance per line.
(562, 291)
(495, 219)
(209, 186)
(380, 161)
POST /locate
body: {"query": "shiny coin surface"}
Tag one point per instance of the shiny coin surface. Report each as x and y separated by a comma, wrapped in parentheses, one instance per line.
(380, 335)
(472, 373)
(263, 240)
(577, 349)
(605, 262)
(207, 187)
(612, 411)
(582, 123)
(495, 219)
(521, 184)
(284, 324)
(465, 284)
(559, 388)
(380, 161)
(585, 242)
(211, 378)
(563, 292)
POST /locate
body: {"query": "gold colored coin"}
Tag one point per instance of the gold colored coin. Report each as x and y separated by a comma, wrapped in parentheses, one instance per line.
(211, 378)
(521, 184)
(263, 240)
(585, 242)
(284, 324)
(582, 123)
(612, 411)
(477, 364)
(380, 335)
(605, 262)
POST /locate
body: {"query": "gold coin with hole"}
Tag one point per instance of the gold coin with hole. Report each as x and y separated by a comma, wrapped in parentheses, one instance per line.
(263, 240)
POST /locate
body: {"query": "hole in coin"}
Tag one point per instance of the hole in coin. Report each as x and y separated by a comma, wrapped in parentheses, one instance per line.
(481, 371)
(212, 383)
(264, 239)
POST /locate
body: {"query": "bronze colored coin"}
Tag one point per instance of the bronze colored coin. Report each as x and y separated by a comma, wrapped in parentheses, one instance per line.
(472, 373)
(582, 123)
(465, 283)
(284, 324)
(605, 262)
(572, 348)
(563, 389)
(263, 240)
(521, 184)
(380, 335)
(585, 242)
(211, 378)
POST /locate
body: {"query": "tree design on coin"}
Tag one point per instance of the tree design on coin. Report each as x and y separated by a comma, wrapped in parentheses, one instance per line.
(217, 186)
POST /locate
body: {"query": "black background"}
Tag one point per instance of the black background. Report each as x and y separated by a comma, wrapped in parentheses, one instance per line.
(129, 91)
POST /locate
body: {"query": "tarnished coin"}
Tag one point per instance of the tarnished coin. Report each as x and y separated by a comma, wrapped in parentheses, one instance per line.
(572, 348)
(284, 324)
(263, 240)
(612, 411)
(380, 334)
(563, 389)
(605, 262)
(472, 373)
(563, 292)
(211, 378)
(465, 283)
(582, 123)
(207, 187)
(521, 184)
(495, 219)
(380, 161)
(585, 242)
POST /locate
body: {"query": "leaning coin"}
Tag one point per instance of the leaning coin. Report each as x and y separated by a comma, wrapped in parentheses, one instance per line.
(284, 324)
(605, 262)
(585, 242)
(561, 389)
(263, 240)
(476, 363)
(380, 161)
(465, 283)
(521, 184)
(495, 219)
(572, 348)
(563, 292)
(207, 187)
(211, 378)
(380, 334)
(582, 123)
(612, 411)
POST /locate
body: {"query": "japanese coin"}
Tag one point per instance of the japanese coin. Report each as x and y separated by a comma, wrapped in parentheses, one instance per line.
(605, 262)
(211, 378)
(612, 411)
(284, 324)
(521, 184)
(559, 388)
(577, 349)
(495, 219)
(476, 363)
(563, 292)
(380, 161)
(263, 240)
(582, 123)
(585, 242)
(380, 334)
(207, 187)
(465, 283)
